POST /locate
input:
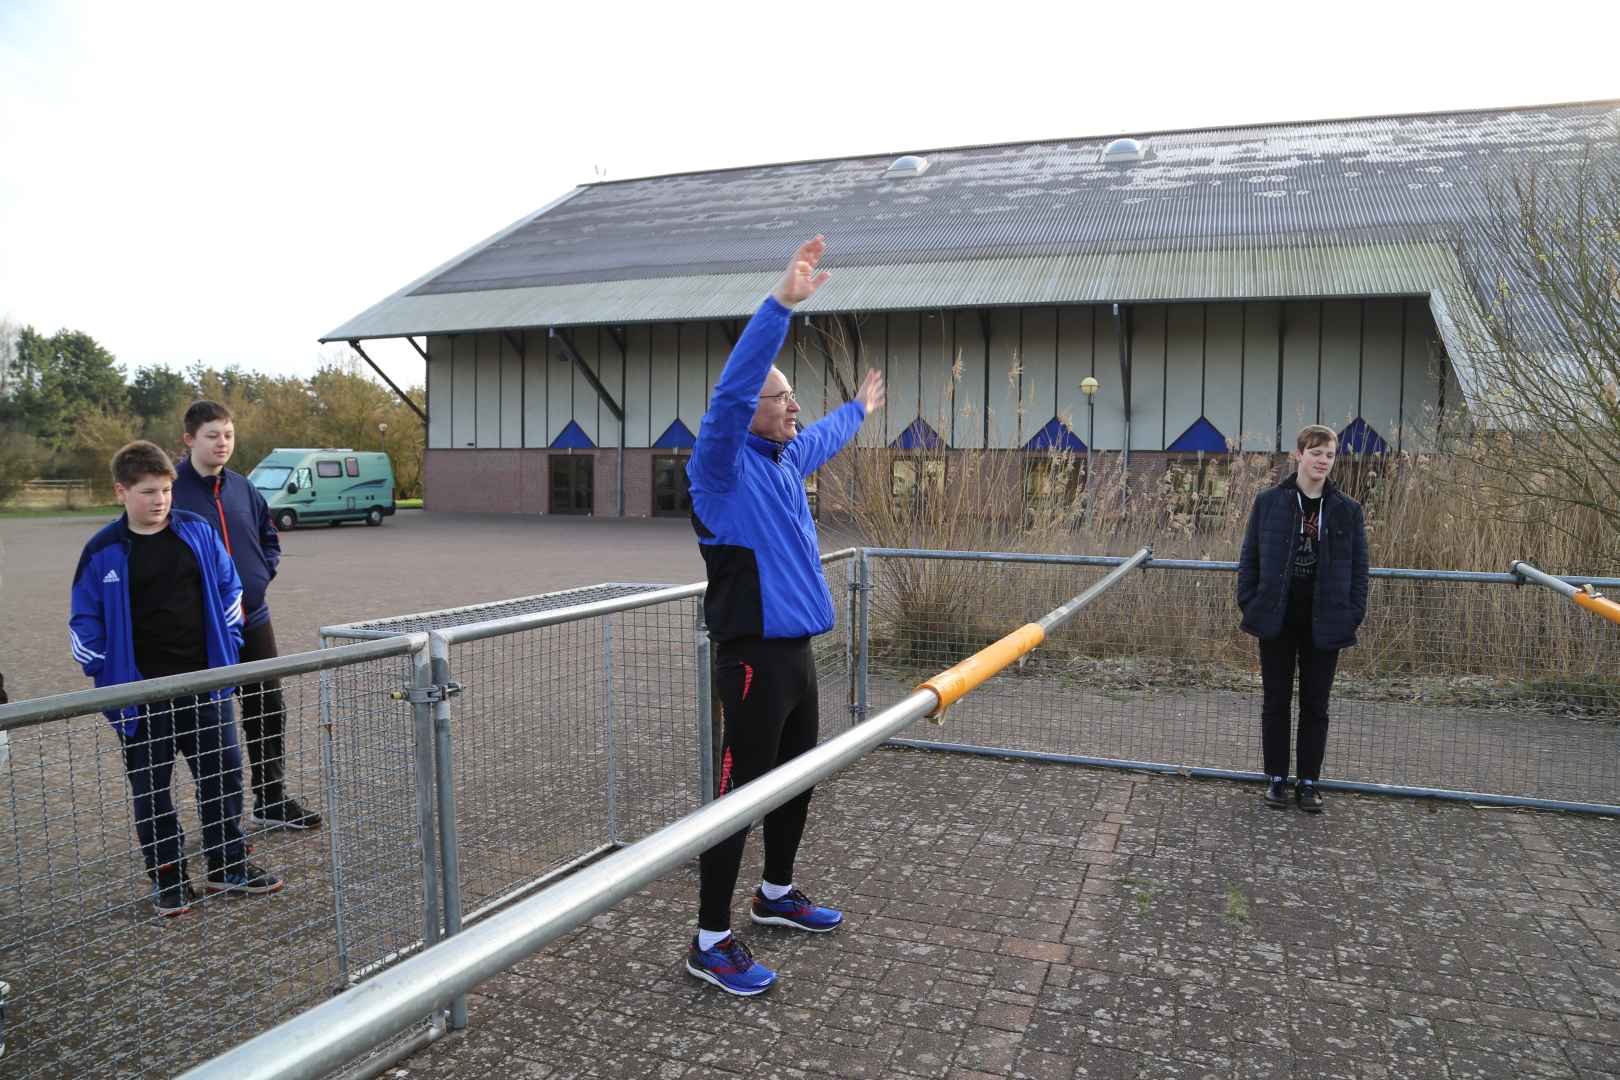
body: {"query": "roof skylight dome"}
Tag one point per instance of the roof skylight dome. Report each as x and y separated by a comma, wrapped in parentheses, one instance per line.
(908, 165)
(1124, 150)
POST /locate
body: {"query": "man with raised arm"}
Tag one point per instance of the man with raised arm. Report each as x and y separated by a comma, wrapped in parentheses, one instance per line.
(767, 598)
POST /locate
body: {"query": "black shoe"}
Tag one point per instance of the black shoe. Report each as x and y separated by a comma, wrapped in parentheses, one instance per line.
(1277, 793)
(284, 814)
(171, 892)
(1310, 800)
(243, 877)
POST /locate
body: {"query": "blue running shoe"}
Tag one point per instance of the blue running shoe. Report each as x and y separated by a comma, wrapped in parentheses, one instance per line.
(730, 966)
(795, 910)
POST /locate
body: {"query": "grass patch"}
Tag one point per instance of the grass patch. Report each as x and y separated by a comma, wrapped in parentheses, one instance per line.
(111, 510)
(407, 504)
(1237, 906)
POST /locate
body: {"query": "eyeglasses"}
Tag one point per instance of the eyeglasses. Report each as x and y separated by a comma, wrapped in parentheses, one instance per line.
(785, 397)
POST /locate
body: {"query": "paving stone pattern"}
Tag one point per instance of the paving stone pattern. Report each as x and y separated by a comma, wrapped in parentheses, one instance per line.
(1014, 919)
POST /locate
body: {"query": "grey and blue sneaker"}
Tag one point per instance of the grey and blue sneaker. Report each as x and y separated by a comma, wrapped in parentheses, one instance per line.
(242, 878)
(795, 910)
(730, 966)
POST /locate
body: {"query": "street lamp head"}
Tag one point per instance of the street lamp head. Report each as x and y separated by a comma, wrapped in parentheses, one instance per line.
(383, 427)
(1088, 386)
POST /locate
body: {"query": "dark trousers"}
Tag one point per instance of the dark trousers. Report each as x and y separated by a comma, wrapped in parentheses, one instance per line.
(1280, 658)
(264, 719)
(201, 730)
(767, 690)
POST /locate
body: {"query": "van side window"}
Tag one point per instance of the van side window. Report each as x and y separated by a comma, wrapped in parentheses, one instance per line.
(305, 481)
(328, 468)
(351, 466)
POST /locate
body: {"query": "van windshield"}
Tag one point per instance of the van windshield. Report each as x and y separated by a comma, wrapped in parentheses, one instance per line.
(270, 477)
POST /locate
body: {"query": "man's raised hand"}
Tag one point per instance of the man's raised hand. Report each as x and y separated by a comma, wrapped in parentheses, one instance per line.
(871, 392)
(800, 280)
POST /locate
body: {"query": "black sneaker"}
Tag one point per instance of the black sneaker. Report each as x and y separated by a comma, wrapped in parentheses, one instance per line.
(243, 878)
(285, 814)
(171, 892)
(1277, 793)
(1310, 800)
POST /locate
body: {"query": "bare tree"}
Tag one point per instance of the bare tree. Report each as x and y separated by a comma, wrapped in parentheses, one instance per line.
(1541, 326)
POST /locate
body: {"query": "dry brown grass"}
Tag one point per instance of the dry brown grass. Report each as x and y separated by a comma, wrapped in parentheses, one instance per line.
(1423, 512)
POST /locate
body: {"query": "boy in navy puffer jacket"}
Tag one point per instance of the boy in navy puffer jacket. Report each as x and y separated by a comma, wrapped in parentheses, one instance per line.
(235, 508)
(1302, 587)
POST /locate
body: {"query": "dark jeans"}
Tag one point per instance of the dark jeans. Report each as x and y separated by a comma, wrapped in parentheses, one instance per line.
(264, 718)
(1280, 657)
(767, 690)
(201, 730)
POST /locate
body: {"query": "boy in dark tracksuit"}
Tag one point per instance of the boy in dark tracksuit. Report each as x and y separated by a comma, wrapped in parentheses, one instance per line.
(1302, 588)
(155, 594)
(767, 597)
(204, 486)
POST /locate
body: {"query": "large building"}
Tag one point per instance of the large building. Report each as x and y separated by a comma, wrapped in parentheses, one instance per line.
(1223, 286)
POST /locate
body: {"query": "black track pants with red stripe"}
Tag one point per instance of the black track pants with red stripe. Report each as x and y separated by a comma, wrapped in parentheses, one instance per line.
(767, 690)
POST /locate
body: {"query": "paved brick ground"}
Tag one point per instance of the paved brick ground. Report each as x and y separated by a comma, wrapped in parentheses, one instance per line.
(1005, 918)
(1045, 921)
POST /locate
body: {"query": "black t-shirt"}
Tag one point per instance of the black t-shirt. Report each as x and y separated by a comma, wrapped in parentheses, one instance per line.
(1308, 549)
(166, 605)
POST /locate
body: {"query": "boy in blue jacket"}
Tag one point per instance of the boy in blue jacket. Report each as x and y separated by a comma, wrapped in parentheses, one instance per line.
(766, 600)
(236, 509)
(155, 594)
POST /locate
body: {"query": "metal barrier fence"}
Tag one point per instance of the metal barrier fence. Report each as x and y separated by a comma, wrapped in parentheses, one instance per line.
(102, 986)
(1463, 685)
(309, 1045)
(491, 750)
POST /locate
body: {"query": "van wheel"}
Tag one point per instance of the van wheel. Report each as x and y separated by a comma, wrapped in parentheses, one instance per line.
(374, 516)
(285, 520)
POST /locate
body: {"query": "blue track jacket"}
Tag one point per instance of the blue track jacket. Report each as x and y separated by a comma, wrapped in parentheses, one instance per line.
(748, 503)
(99, 627)
(254, 545)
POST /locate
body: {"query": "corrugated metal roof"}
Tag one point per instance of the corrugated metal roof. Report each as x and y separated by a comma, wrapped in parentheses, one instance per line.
(1349, 207)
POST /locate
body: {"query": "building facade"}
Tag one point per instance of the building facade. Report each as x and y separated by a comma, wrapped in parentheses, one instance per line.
(1223, 287)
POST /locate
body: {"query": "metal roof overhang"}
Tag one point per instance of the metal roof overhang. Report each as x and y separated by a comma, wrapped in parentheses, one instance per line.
(1258, 272)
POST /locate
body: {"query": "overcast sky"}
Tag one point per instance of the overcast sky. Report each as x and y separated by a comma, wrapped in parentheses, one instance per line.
(227, 182)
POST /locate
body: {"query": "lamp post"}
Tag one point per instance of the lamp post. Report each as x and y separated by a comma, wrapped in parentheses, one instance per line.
(382, 430)
(1088, 387)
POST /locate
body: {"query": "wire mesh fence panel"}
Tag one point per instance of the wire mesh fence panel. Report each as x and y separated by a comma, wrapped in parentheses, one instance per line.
(530, 749)
(834, 651)
(376, 825)
(657, 716)
(99, 831)
(1456, 685)
(488, 612)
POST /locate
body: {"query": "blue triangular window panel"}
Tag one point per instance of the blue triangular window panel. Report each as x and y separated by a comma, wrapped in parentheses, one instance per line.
(572, 437)
(675, 437)
(1056, 435)
(1358, 437)
(918, 436)
(1203, 435)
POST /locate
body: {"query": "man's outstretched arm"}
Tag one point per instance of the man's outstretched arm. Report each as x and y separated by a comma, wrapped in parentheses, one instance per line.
(820, 442)
(736, 395)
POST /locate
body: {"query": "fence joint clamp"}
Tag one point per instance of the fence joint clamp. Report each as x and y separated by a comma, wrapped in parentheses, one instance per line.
(428, 695)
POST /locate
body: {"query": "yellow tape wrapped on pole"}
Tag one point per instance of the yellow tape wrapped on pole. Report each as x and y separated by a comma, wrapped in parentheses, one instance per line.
(1583, 596)
(1598, 604)
(950, 685)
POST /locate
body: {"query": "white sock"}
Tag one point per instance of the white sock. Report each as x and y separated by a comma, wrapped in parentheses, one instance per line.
(775, 892)
(708, 939)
